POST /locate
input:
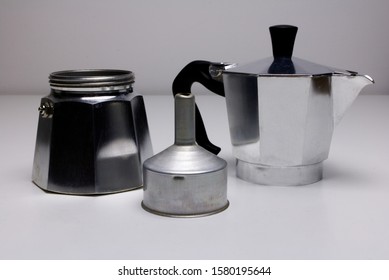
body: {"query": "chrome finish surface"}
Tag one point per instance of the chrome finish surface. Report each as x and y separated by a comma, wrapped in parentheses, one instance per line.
(216, 71)
(185, 195)
(92, 80)
(346, 90)
(46, 110)
(279, 175)
(281, 127)
(282, 112)
(91, 144)
(302, 68)
(197, 215)
(185, 180)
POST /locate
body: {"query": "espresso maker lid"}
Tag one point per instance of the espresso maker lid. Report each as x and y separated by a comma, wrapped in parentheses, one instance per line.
(282, 63)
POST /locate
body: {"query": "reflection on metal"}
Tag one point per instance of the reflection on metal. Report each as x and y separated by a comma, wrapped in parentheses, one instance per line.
(185, 180)
(91, 142)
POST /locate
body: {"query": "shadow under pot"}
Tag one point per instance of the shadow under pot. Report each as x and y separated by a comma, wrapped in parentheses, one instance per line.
(92, 135)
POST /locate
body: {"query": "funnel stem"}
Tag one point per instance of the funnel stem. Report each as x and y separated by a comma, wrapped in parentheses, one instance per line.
(184, 119)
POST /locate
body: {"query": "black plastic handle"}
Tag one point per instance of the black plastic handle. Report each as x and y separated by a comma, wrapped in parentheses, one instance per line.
(204, 73)
(282, 38)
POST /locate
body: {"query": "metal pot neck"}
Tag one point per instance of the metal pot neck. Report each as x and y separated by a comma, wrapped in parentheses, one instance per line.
(91, 81)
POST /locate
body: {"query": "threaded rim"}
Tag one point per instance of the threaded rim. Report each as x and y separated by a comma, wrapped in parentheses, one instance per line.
(91, 80)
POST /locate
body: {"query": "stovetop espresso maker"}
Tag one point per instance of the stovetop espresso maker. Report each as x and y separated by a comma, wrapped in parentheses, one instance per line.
(92, 134)
(281, 110)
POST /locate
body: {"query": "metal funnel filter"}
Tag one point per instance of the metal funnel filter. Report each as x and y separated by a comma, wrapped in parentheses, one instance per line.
(185, 180)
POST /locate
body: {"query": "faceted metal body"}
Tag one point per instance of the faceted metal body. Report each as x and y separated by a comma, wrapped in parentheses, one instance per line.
(91, 142)
(281, 110)
(281, 126)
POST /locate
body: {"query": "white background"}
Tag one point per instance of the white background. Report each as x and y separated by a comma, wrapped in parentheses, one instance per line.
(155, 39)
(343, 216)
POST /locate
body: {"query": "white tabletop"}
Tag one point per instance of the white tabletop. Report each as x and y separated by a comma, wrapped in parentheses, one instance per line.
(344, 216)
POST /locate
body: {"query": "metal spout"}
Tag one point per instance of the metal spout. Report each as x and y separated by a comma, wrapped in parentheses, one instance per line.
(345, 89)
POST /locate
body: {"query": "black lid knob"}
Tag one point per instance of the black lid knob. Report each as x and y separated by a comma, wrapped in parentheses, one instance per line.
(282, 38)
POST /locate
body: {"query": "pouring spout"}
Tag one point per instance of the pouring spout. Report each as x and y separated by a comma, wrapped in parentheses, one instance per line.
(345, 89)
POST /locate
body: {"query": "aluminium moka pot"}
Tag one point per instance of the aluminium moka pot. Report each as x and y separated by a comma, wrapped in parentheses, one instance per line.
(281, 110)
(92, 135)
